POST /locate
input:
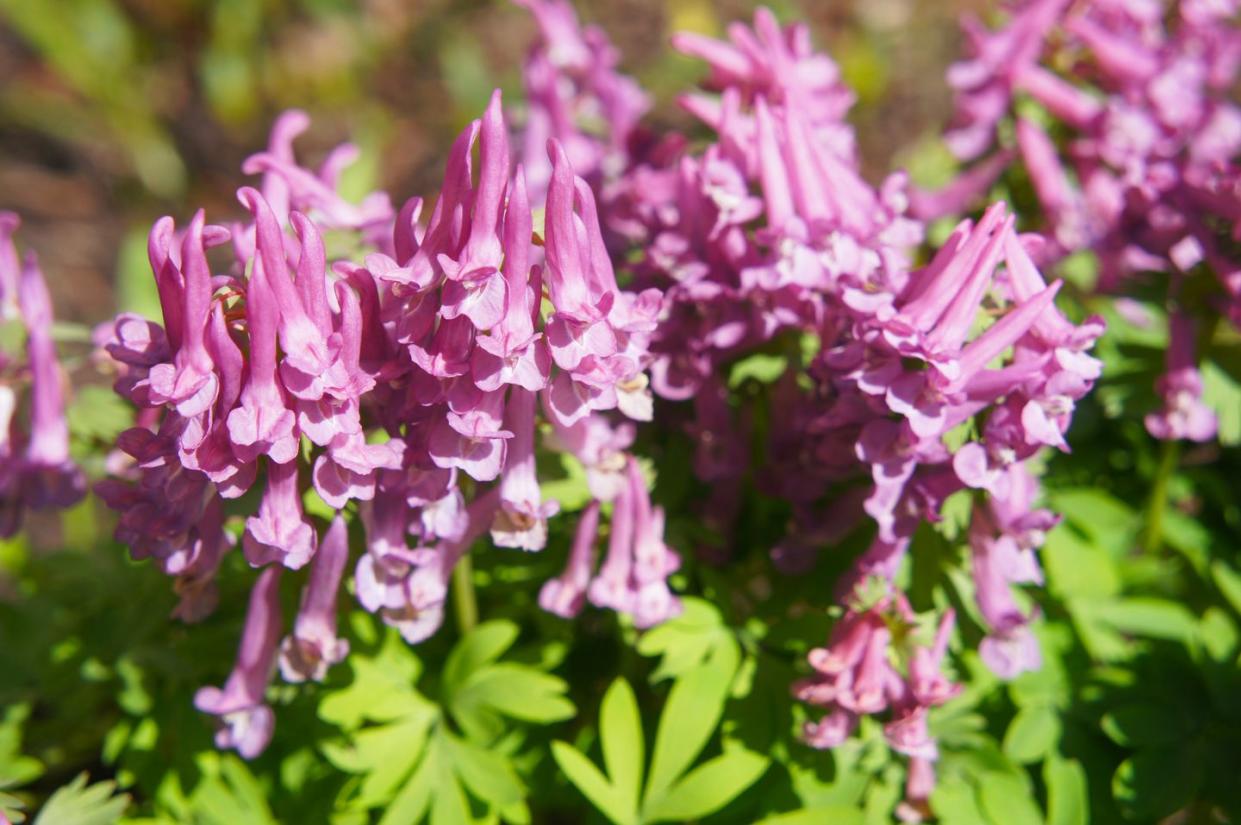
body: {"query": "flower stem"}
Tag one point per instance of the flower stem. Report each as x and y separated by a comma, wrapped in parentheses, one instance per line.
(1153, 537)
(464, 600)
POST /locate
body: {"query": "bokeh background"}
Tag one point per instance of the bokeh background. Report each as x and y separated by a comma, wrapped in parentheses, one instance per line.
(115, 112)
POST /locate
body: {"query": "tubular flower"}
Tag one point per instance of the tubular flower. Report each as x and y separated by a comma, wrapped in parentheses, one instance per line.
(769, 239)
(36, 471)
(412, 379)
(423, 379)
(1145, 175)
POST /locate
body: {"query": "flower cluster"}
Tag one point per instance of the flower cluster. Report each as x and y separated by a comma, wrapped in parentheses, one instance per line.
(575, 95)
(413, 378)
(36, 471)
(1142, 170)
(857, 673)
(926, 381)
(406, 381)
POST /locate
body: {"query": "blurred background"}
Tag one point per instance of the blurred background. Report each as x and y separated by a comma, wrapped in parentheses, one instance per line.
(114, 112)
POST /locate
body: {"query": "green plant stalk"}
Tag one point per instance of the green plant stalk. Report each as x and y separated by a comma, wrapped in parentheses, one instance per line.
(464, 599)
(1153, 536)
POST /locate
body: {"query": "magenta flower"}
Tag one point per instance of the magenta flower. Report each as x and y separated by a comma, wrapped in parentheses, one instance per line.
(36, 470)
(575, 96)
(246, 722)
(1184, 415)
(314, 646)
(189, 383)
(48, 476)
(521, 520)
(279, 533)
(565, 595)
(262, 424)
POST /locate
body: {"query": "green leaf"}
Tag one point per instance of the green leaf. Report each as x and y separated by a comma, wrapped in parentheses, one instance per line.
(691, 714)
(80, 804)
(1108, 522)
(517, 691)
(1006, 800)
(955, 801)
(761, 366)
(594, 786)
(1076, 568)
(382, 688)
(572, 489)
(135, 283)
(956, 512)
(1139, 724)
(1101, 640)
(1218, 633)
(1189, 537)
(1150, 617)
(16, 769)
(825, 815)
(229, 794)
(449, 806)
(1032, 734)
(487, 774)
(1068, 802)
(411, 804)
(1228, 581)
(98, 413)
(384, 755)
(1156, 782)
(708, 788)
(483, 645)
(698, 634)
(620, 728)
(1223, 395)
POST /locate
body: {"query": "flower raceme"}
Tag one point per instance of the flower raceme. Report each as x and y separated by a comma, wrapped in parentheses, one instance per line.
(770, 231)
(416, 382)
(409, 384)
(1145, 175)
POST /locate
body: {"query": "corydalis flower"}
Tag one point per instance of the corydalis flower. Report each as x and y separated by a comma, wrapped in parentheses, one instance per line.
(566, 594)
(1184, 415)
(1145, 173)
(576, 96)
(314, 646)
(38, 473)
(857, 674)
(246, 721)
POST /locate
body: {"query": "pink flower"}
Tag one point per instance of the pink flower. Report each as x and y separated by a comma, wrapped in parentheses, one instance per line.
(314, 646)
(246, 722)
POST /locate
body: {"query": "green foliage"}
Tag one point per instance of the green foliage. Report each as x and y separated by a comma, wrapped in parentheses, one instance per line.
(80, 804)
(671, 788)
(417, 758)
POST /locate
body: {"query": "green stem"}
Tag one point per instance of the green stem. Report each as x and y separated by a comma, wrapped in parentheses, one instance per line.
(464, 600)
(1153, 538)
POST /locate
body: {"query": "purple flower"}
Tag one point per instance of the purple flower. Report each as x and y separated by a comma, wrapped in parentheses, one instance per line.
(189, 383)
(521, 520)
(246, 722)
(565, 595)
(408, 589)
(263, 424)
(576, 96)
(1184, 415)
(279, 533)
(314, 646)
(49, 477)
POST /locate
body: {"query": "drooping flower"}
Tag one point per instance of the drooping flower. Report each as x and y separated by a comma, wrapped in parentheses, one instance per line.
(246, 721)
(36, 470)
(314, 646)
